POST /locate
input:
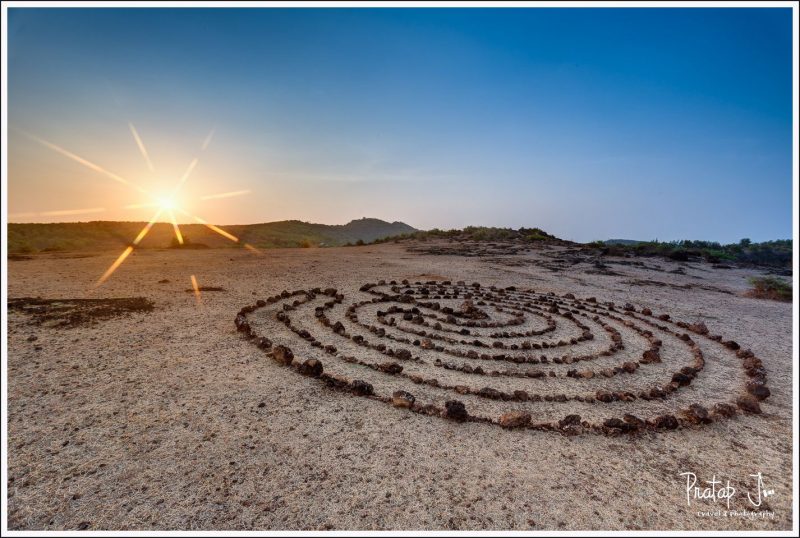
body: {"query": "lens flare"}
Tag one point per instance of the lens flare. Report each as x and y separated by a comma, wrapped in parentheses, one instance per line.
(115, 265)
(163, 204)
(178, 235)
(224, 195)
(141, 146)
(210, 226)
(207, 141)
(86, 163)
(57, 213)
(196, 289)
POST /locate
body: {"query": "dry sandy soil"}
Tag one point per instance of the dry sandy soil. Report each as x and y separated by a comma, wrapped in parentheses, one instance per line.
(171, 419)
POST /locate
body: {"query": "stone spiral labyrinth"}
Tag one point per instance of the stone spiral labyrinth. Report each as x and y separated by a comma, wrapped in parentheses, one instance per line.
(509, 357)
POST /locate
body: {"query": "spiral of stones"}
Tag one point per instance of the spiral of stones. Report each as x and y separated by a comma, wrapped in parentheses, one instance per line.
(416, 319)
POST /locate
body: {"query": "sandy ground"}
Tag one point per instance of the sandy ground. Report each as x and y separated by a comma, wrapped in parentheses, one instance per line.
(171, 420)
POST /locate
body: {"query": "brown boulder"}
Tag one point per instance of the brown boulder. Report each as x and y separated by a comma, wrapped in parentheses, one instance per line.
(404, 399)
(361, 388)
(570, 420)
(749, 404)
(455, 410)
(391, 368)
(761, 392)
(515, 419)
(681, 379)
(696, 414)
(699, 328)
(665, 422)
(615, 425)
(283, 355)
(488, 392)
(402, 354)
(311, 368)
(604, 396)
(650, 356)
(521, 395)
(724, 410)
(633, 421)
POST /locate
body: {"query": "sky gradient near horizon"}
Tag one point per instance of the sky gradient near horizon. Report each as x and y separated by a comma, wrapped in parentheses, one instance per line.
(589, 123)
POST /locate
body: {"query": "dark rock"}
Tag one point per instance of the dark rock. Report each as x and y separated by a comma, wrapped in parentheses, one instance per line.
(391, 368)
(402, 354)
(515, 419)
(699, 328)
(696, 414)
(455, 410)
(404, 399)
(730, 344)
(311, 368)
(749, 404)
(488, 392)
(263, 343)
(521, 395)
(361, 388)
(665, 422)
(615, 425)
(570, 420)
(724, 410)
(604, 396)
(761, 392)
(681, 379)
(633, 421)
(283, 355)
(650, 356)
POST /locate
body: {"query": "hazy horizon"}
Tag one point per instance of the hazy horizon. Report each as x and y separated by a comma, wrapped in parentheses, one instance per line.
(591, 124)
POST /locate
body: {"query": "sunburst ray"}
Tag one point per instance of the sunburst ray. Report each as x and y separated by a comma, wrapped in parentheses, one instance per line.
(139, 206)
(175, 226)
(208, 225)
(207, 141)
(184, 177)
(196, 289)
(57, 213)
(114, 266)
(141, 146)
(86, 163)
(224, 195)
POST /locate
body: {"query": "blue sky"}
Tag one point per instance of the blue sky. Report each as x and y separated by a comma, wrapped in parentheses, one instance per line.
(589, 123)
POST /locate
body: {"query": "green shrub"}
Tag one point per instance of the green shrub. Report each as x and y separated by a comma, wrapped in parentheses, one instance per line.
(770, 287)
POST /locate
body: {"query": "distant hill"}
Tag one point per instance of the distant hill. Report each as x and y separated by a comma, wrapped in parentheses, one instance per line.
(103, 235)
(775, 255)
(486, 234)
(622, 242)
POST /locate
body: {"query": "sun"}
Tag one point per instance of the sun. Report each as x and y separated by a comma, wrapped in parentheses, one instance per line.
(167, 203)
